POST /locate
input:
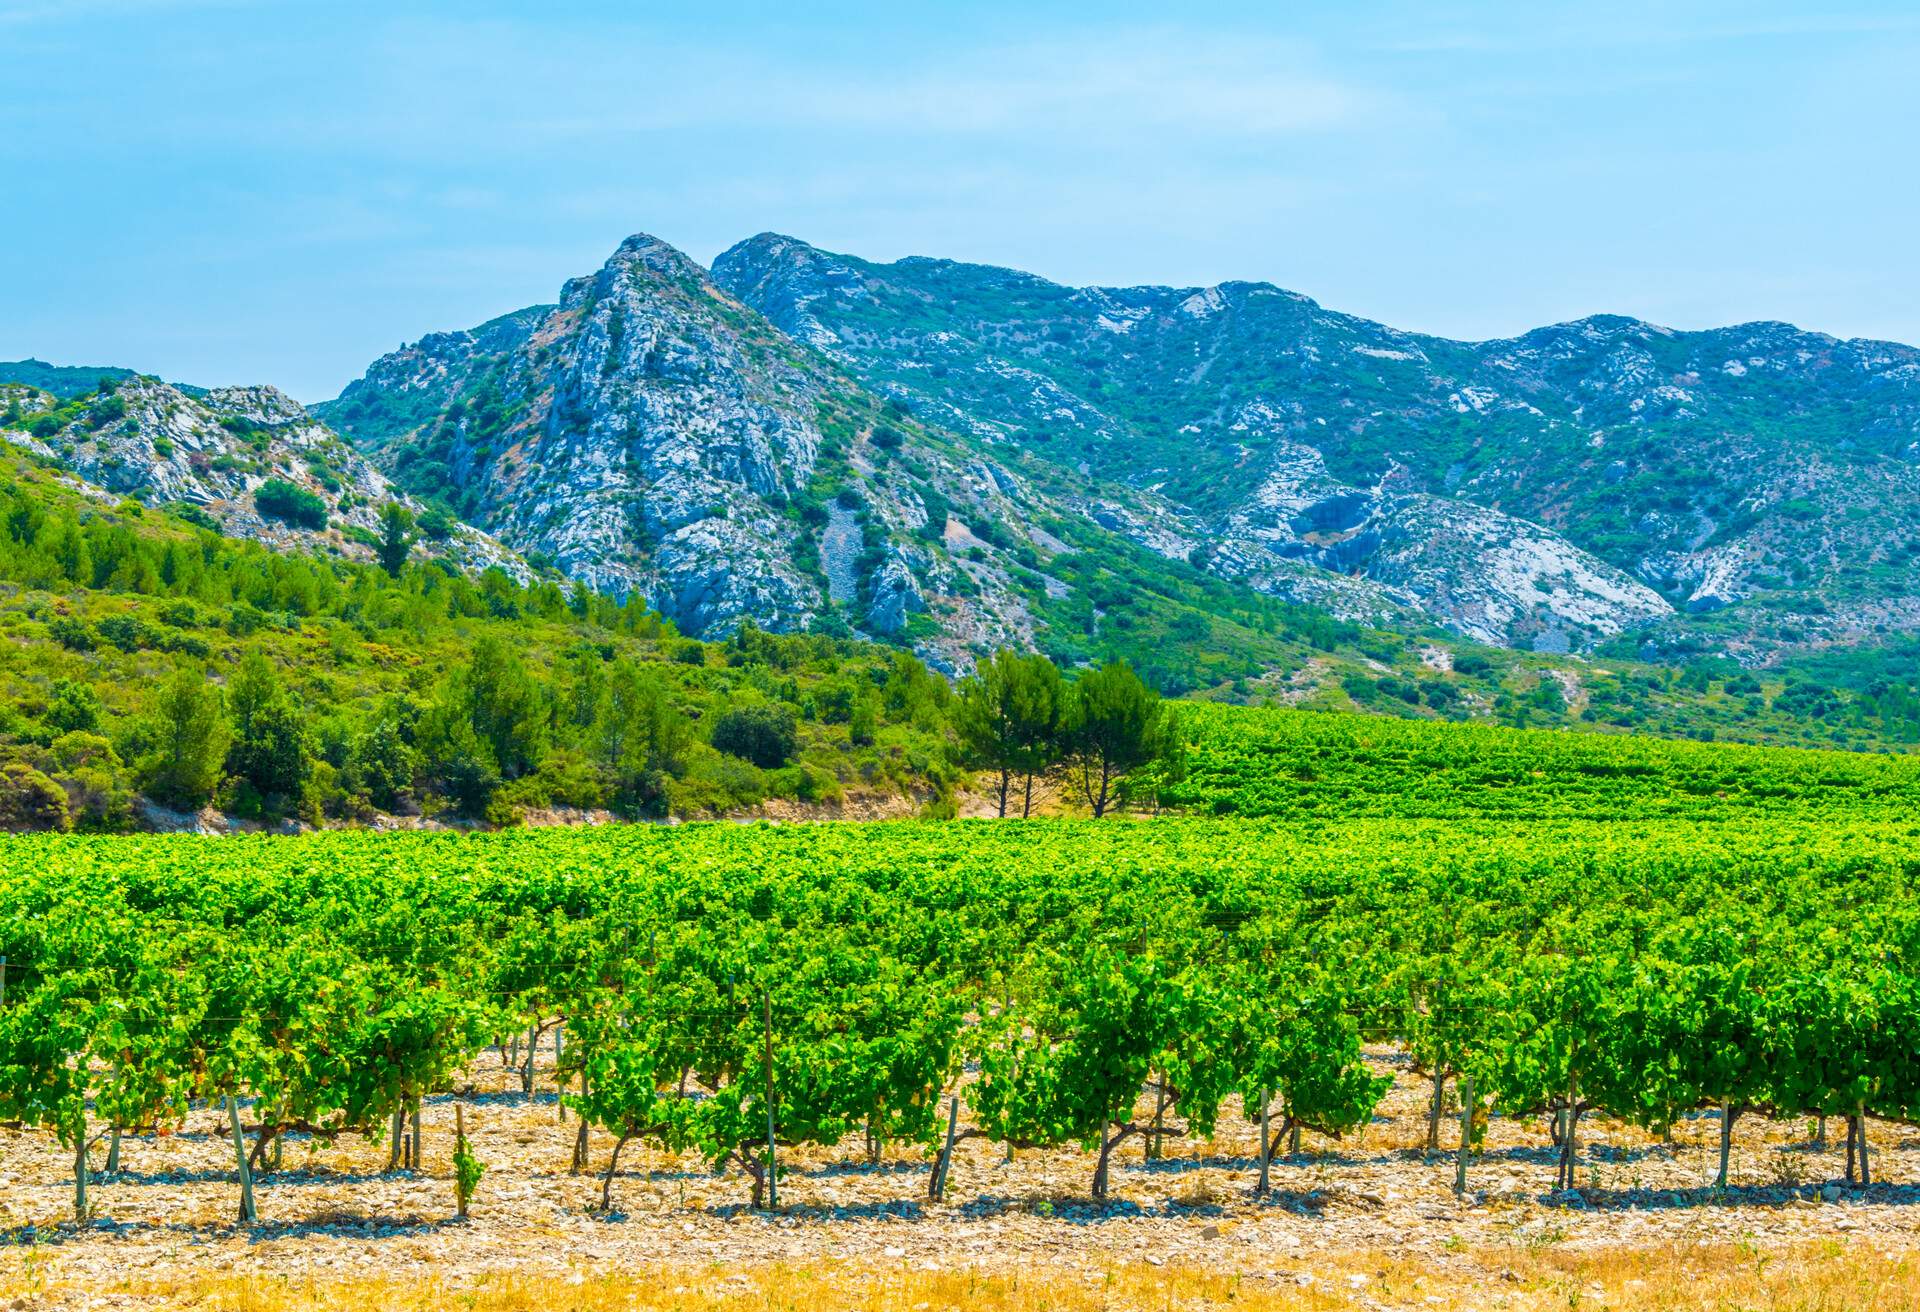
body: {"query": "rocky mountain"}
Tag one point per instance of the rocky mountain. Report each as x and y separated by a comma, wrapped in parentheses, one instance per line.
(649, 434)
(249, 461)
(1750, 490)
(958, 457)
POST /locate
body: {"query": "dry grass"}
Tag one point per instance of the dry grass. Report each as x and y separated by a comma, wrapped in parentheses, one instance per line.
(1827, 1277)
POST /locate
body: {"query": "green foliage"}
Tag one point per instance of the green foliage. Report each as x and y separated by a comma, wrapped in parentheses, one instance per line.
(31, 801)
(271, 752)
(278, 499)
(396, 537)
(1246, 761)
(467, 1173)
(1009, 715)
(1113, 724)
(764, 735)
(189, 740)
(841, 978)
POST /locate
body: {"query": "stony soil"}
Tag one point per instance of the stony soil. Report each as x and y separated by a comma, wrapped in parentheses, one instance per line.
(333, 1214)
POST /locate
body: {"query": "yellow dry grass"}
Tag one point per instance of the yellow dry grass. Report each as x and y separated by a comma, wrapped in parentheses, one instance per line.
(1827, 1277)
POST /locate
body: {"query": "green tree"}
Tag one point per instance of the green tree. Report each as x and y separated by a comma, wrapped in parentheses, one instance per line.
(1007, 715)
(30, 801)
(503, 703)
(639, 735)
(272, 749)
(189, 735)
(765, 735)
(1114, 724)
(380, 763)
(396, 537)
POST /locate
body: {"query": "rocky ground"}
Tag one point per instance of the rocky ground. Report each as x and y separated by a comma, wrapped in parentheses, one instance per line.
(1366, 1222)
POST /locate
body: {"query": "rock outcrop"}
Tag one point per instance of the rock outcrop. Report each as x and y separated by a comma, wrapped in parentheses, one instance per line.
(210, 455)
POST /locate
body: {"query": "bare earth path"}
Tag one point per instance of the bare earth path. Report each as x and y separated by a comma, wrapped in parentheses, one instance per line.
(1365, 1223)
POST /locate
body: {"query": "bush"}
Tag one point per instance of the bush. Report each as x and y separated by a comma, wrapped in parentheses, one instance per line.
(127, 632)
(29, 800)
(436, 523)
(71, 633)
(764, 735)
(278, 499)
(72, 707)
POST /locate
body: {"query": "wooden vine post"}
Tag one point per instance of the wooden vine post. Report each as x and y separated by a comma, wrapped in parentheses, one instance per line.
(945, 1164)
(247, 1213)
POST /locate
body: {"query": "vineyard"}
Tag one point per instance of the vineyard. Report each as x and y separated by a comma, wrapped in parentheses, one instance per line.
(744, 994)
(1277, 762)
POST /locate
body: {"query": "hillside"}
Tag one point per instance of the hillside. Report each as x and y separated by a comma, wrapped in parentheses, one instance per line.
(156, 666)
(1751, 491)
(248, 461)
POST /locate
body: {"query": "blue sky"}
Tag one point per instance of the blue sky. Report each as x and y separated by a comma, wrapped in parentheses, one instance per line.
(277, 192)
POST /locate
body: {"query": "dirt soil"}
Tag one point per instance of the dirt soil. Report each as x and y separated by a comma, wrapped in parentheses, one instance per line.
(1369, 1222)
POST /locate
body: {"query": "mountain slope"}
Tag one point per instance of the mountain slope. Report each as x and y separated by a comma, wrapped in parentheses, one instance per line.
(651, 435)
(1642, 476)
(249, 461)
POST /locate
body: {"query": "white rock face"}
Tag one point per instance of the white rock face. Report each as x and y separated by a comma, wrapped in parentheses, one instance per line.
(1482, 573)
(212, 453)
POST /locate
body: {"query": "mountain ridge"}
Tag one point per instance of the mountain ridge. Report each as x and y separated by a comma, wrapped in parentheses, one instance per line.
(1008, 356)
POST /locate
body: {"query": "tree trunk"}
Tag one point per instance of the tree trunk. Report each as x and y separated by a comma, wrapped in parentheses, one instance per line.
(1006, 779)
(80, 1175)
(1570, 1139)
(414, 1153)
(773, 1165)
(1728, 1113)
(937, 1186)
(1866, 1171)
(533, 1046)
(1853, 1140)
(396, 1130)
(579, 1162)
(113, 1152)
(459, 1148)
(1100, 1171)
(1466, 1133)
(248, 1215)
(1266, 1155)
(1293, 1140)
(559, 1080)
(1433, 1112)
(757, 1173)
(1820, 1131)
(1150, 1150)
(1026, 805)
(606, 1183)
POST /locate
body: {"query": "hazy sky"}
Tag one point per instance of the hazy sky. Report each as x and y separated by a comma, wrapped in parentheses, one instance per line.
(277, 192)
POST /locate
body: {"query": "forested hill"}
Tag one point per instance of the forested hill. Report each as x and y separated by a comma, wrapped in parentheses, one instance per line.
(153, 662)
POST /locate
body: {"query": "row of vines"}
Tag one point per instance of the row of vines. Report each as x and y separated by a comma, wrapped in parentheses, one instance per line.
(733, 990)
